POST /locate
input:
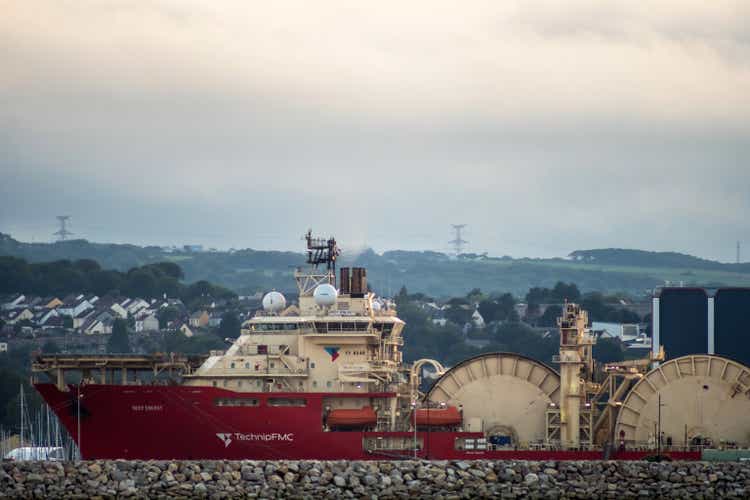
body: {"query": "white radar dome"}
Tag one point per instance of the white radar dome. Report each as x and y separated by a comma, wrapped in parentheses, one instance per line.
(274, 302)
(325, 295)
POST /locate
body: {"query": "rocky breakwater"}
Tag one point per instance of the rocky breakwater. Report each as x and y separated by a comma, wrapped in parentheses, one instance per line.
(313, 479)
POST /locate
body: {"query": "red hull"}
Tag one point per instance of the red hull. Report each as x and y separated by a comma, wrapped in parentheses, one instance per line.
(180, 422)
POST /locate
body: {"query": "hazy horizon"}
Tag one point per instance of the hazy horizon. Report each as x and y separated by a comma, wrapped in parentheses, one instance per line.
(545, 127)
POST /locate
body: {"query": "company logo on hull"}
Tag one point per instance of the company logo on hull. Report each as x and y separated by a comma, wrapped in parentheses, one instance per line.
(228, 437)
(334, 352)
(225, 438)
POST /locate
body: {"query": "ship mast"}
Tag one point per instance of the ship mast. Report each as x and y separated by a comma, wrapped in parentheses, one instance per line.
(319, 251)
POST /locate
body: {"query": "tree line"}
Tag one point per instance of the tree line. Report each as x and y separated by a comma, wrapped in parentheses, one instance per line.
(63, 277)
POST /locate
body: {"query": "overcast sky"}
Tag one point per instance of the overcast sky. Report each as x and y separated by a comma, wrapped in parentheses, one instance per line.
(546, 126)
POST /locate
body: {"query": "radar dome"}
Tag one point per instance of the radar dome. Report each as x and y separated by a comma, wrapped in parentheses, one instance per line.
(274, 302)
(325, 295)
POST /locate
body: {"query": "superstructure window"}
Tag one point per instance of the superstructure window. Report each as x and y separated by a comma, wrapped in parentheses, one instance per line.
(236, 402)
(384, 328)
(274, 327)
(297, 402)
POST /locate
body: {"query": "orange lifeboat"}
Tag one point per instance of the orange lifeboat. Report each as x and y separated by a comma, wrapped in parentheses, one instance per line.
(361, 417)
(439, 416)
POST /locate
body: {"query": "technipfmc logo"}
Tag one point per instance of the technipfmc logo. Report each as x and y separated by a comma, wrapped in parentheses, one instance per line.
(228, 437)
(225, 438)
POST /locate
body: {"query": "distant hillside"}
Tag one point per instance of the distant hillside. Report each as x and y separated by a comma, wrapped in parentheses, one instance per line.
(642, 258)
(249, 271)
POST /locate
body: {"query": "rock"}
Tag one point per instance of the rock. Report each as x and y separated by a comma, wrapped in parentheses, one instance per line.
(531, 478)
(339, 481)
(34, 478)
(463, 465)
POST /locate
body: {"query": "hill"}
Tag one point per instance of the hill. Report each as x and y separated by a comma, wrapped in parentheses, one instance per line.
(433, 273)
(642, 258)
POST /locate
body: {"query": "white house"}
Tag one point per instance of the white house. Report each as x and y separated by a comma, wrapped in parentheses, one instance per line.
(3, 347)
(148, 323)
(19, 315)
(477, 319)
(119, 311)
(75, 307)
(186, 331)
(16, 301)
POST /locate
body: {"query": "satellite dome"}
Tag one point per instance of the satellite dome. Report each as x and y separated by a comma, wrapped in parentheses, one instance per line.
(325, 295)
(273, 302)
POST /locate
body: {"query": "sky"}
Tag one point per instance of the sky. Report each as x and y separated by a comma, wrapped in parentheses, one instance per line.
(545, 126)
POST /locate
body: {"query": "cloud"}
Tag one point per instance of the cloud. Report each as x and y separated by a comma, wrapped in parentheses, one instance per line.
(545, 126)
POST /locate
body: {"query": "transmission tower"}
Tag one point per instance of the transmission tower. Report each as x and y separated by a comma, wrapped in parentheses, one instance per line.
(458, 242)
(63, 232)
(738, 252)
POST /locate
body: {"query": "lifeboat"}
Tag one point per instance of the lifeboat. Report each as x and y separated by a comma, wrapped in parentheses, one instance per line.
(358, 417)
(439, 416)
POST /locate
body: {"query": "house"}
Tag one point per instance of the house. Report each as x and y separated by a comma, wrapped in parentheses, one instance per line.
(15, 301)
(75, 306)
(148, 323)
(18, 315)
(43, 316)
(521, 309)
(133, 306)
(98, 322)
(119, 311)
(214, 320)
(3, 347)
(477, 319)
(198, 319)
(80, 320)
(185, 330)
(52, 302)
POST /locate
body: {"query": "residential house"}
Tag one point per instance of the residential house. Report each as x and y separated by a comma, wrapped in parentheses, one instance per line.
(14, 302)
(119, 311)
(19, 315)
(3, 347)
(214, 320)
(52, 302)
(43, 316)
(185, 330)
(198, 319)
(99, 322)
(477, 319)
(80, 320)
(133, 306)
(147, 323)
(74, 306)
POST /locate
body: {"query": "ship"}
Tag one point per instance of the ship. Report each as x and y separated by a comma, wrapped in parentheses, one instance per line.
(325, 379)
